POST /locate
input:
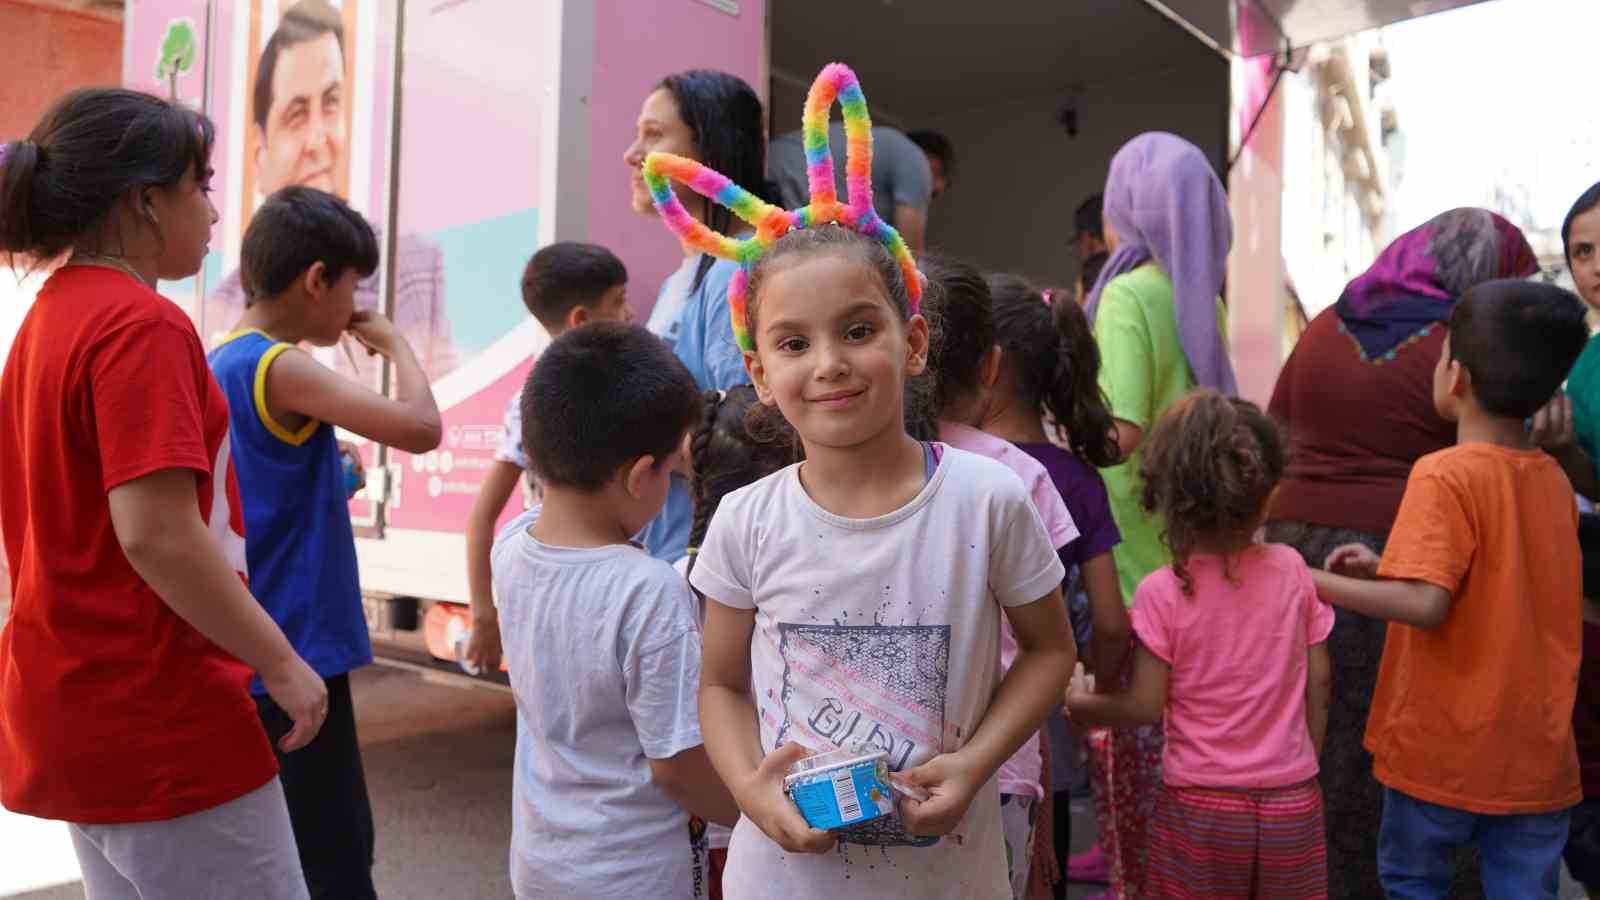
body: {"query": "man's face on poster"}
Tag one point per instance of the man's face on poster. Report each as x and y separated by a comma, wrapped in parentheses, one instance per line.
(304, 139)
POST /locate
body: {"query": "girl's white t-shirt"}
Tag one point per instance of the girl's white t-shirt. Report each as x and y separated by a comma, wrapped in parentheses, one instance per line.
(885, 631)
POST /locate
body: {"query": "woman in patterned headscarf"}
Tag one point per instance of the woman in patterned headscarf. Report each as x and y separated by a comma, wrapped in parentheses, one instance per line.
(1356, 398)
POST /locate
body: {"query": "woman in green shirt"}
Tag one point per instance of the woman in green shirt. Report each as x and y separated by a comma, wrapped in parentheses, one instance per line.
(1159, 324)
(1156, 312)
(1569, 428)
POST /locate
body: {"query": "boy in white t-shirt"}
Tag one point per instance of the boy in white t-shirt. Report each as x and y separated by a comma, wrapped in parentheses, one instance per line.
(564, 285)
(602, 641)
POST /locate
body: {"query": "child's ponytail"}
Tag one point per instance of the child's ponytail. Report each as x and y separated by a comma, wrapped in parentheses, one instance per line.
(1054, 361)
(91, 148)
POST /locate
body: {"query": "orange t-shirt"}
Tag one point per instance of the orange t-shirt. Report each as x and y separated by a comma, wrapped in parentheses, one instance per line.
(1476, 714)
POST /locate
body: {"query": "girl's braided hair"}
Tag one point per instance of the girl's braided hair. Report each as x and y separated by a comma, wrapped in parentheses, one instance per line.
(734, 444)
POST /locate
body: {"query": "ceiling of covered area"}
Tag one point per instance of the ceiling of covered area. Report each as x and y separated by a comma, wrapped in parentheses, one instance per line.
(962, 53)
(1265, 25)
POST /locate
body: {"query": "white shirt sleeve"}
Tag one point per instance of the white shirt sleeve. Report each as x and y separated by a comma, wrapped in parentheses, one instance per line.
(722, 568)
(510, 449)
(662, 672)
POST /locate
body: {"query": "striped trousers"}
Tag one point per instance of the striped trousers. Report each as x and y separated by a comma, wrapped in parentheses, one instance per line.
(1237, 843)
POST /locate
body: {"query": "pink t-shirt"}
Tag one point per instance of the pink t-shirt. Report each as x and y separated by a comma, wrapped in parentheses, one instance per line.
(1021, 773)
(1236, 707)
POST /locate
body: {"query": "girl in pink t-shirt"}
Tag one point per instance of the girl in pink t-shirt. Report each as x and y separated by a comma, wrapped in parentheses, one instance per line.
(1232, 652)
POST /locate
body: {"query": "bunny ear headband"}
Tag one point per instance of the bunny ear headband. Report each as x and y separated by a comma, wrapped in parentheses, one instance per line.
(836, 81)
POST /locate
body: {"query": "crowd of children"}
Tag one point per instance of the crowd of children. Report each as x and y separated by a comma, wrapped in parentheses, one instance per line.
(899, 540)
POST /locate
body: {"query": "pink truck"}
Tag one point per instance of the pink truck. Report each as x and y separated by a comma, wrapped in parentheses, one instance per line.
(474, 131)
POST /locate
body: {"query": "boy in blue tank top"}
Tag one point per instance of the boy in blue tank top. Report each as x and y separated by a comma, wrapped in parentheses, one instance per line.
(303, 254)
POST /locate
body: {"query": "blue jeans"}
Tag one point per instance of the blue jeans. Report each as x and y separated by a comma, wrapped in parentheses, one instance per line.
(1521, 854)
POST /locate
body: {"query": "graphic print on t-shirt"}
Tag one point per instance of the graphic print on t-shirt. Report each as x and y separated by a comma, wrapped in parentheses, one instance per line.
(883, 685)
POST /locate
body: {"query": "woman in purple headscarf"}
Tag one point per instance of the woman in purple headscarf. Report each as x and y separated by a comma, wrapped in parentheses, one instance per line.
(1158, 320)
(1356, 398)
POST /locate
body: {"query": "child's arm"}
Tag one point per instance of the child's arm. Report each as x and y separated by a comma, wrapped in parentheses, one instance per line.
(157, 522)
(693, 784)
(1554, 430)
(1112, 628)
(299, 385)
(1033, 687)
(1352, 582)
(1319, 688)
(733, 737)
(483, 647)
(1141, 703)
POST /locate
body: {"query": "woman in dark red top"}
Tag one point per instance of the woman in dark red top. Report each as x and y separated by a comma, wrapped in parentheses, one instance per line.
(123, 665)
(1356, 400)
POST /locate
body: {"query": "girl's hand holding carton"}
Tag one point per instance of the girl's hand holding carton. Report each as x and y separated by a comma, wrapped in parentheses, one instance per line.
(762, 799)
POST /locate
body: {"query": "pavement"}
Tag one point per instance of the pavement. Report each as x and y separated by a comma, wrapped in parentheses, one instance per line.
(438, 760)
(438, 763)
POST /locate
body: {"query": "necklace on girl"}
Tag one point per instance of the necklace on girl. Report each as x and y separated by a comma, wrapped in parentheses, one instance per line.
(115, 262)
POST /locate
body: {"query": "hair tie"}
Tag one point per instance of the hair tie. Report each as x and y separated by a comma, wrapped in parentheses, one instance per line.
(835, 82)
(1045, 295)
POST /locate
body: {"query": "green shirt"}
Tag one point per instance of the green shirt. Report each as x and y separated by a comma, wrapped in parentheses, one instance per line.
(1583, 387)
(1143, 371)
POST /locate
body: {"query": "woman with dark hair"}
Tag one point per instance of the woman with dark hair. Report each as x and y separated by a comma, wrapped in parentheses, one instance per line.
(1356, 401)
(715, 118)
(132, 636)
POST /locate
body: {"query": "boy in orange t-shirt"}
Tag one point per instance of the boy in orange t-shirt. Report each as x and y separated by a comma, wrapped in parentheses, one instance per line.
(1471, 724)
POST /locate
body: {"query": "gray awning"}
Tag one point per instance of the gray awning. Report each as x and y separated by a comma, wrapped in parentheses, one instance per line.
(1255, 27)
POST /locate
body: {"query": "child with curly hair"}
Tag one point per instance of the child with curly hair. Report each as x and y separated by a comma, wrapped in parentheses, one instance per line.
(1232, 652)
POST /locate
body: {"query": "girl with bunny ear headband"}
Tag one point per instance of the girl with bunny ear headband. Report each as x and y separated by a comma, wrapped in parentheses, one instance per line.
(877, 570)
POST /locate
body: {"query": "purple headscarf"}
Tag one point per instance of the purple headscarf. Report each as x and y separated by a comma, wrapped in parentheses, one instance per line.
(1418, 278)
(1166, 204)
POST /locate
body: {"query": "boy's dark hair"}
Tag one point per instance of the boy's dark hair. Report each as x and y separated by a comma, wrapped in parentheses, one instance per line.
(1518, 339)
(296, 227)
(1589, 544)
(567, 274)
(89, 150)
(1208, 467)
(304, 21)
(601, 396)
(1086, 218)
(936, 145)
(959, 300)
(1052, 358)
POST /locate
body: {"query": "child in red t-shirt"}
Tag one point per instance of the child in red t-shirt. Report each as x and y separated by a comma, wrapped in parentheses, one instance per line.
(123, 665)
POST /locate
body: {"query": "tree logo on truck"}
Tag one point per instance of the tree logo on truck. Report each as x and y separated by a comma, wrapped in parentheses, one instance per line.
(177, 54)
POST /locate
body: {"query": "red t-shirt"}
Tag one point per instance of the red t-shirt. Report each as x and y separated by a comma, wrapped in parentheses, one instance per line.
(112, 709)
(1355, 428)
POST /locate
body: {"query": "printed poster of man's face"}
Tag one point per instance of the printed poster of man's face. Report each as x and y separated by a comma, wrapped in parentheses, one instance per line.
(299, 105)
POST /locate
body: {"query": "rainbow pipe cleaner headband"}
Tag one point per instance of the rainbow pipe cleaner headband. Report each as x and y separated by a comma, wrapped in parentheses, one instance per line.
(835, 81)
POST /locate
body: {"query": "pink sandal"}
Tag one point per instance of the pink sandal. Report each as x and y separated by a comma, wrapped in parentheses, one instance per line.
(1090, 866)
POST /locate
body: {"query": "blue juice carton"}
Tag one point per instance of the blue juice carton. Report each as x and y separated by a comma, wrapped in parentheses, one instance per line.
(842, 787)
